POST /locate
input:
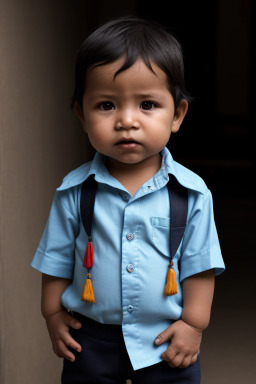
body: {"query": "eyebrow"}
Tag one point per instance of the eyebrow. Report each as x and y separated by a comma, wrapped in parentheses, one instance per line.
(144, 95)
(148, 95)
(99, 95)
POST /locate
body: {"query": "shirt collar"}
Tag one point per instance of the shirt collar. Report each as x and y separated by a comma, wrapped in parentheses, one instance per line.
(98, 167)
(184, 176)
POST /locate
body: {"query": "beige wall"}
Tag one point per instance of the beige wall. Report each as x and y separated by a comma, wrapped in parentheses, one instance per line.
(40, 141)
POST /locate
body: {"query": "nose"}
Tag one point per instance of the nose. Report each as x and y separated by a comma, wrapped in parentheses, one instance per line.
(126, 119)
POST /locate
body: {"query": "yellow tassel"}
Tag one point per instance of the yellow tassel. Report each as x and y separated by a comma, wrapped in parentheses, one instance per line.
(88, 294)
(171, 284)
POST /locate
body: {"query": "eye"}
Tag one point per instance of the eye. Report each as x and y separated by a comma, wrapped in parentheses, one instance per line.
(107, 106)
(148, 105)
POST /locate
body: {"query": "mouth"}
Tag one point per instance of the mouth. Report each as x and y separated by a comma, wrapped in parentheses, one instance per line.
(127, 144)
(127, 141)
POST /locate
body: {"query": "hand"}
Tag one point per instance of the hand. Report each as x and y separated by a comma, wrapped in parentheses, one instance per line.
(58, 326)
(184, 345)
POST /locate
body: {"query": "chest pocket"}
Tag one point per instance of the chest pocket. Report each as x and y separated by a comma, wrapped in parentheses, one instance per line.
(161, 234)
(162, 238)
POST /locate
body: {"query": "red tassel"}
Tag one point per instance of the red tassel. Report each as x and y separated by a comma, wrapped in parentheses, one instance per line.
(88, 257)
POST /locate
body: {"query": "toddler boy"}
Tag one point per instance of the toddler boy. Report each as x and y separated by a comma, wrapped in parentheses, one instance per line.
(129, 96)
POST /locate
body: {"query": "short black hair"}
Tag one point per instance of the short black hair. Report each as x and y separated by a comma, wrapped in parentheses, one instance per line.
(134, 38)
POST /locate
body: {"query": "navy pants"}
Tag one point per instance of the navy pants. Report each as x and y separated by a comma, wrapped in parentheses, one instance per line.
(104, 359)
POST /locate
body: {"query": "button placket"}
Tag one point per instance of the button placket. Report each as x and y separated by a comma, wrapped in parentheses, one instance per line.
(129, 236)
(130, 268)
(130, 282)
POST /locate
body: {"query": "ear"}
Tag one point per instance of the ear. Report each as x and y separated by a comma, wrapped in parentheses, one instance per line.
(80, 114)
(180, 113)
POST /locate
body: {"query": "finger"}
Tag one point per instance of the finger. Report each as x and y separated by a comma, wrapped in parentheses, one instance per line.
(164, 336)
(71, 343)
(63, 351)
(176, 361)
(169, 354)
(194, 358)
(185, 362)
(72, 322)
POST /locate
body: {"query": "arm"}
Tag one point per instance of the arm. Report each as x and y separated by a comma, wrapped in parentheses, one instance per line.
(185, 335)
(57, 318)
(197, 299)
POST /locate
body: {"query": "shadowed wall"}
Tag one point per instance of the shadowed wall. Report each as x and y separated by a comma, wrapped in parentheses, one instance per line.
(40, 142)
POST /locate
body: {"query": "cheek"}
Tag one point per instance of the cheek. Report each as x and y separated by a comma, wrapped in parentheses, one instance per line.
(97, 131)
(92, 124)
(161, 131)
(96, 135)
(164, 118)
(158, 139)
(164, 124)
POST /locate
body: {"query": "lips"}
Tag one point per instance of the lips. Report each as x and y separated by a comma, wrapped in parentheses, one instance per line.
(127, 141)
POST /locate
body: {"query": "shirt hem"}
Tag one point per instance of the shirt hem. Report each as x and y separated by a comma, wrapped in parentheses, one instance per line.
(137, 366)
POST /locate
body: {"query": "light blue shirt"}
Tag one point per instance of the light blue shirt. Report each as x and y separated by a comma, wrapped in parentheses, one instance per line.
(131, 238)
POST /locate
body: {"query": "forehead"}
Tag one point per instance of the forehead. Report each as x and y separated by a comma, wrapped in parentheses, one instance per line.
(137, 77)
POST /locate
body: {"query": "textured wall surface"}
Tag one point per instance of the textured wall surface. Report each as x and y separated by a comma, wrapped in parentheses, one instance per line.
(40, 141)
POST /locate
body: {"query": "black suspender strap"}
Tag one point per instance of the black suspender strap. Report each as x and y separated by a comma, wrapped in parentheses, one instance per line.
(179, 206)
(179, 209)
(88, 194)
(178, 196)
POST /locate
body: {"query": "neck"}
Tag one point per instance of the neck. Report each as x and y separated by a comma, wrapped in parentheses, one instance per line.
(147, 166)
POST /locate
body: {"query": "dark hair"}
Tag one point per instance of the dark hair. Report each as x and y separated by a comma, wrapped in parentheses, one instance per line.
(133, 37)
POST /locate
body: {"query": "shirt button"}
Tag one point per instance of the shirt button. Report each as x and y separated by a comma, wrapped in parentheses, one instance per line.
(125, 197)
(130, 268)
(130, 308)
(129, 236)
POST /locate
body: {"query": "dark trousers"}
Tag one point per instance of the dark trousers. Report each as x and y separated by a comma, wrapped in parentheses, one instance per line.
(104, 359)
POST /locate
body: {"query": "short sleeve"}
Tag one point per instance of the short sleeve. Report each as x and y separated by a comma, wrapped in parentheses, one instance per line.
(55, 253)
(200, 249)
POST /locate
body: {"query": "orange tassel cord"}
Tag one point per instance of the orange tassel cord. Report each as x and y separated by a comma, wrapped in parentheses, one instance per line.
(171, 284)
(88, 294)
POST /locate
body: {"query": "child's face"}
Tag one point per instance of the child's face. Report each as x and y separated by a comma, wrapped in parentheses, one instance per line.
(136, 105)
